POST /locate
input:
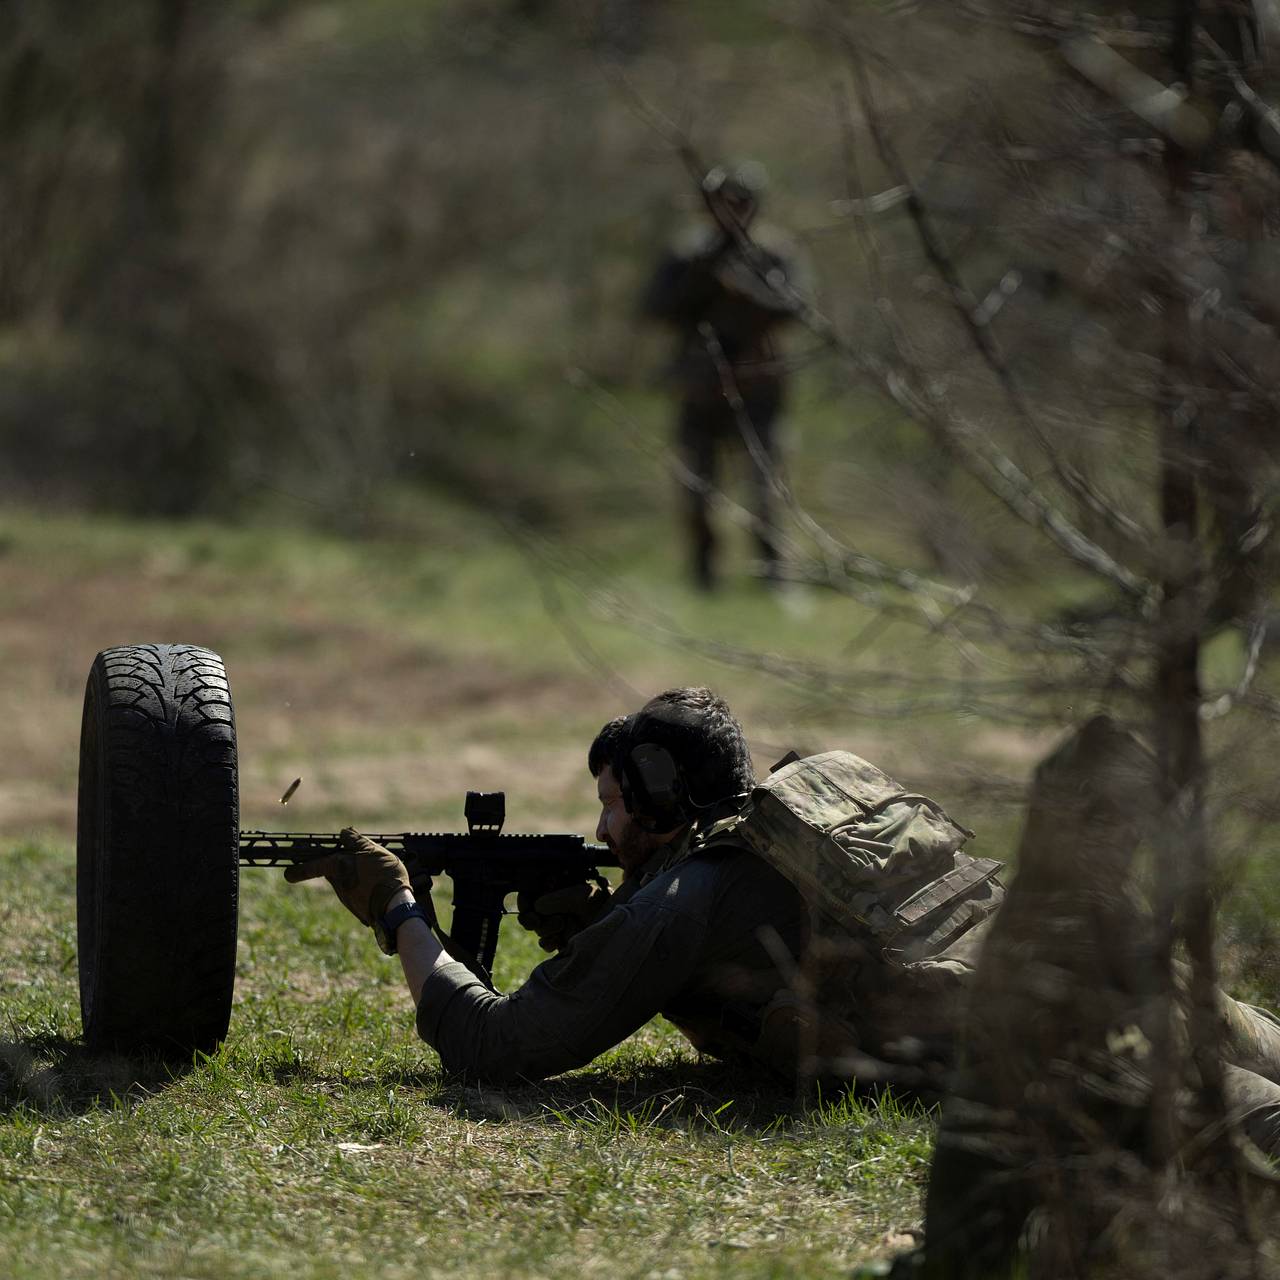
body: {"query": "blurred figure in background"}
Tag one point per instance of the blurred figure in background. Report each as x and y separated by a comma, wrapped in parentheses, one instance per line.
(727, 287)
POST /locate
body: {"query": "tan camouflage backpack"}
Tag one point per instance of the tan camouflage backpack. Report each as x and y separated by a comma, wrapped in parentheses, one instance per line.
(894, 903)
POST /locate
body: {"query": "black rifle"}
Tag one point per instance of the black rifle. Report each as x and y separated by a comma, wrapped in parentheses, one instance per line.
(484, 865)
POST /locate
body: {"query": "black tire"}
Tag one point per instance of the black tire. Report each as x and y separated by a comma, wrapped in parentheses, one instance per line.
(157, 850)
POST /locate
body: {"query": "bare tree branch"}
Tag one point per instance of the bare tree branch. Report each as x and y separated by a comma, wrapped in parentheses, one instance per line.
(977, 322)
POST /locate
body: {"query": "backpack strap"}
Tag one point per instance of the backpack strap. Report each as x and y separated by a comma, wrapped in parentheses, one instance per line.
(946, 908)
(945, 889)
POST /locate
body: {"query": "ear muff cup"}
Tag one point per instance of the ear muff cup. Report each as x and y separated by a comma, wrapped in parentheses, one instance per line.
(653, 788)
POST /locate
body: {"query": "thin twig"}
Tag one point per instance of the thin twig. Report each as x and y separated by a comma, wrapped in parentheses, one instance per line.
(974, 320)
(564, 621)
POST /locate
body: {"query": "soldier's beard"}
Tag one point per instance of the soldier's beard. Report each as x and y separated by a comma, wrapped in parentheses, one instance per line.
(633, 848)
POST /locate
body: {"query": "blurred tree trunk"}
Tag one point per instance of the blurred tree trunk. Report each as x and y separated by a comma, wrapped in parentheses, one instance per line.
(1184, 910)
(155, 159)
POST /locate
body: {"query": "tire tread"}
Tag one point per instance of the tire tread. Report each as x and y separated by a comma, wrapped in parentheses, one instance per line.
(159, 849)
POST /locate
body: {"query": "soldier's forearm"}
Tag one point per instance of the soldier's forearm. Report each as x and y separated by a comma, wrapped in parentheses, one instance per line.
(417, 947)
(420, 955)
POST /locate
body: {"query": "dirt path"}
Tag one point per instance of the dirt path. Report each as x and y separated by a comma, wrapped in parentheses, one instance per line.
(376, 726)
(387, 720)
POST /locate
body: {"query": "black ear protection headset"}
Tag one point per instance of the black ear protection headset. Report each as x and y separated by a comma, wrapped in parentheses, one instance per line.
(654, 789)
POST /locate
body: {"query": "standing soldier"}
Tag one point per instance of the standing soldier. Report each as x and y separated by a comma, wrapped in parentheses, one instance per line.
(726, 294)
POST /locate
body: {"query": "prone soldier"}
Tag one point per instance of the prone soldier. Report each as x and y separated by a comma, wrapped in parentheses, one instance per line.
(708, 926)
(822, 923)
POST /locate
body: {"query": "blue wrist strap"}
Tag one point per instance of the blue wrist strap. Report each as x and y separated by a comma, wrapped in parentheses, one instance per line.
(392, 921)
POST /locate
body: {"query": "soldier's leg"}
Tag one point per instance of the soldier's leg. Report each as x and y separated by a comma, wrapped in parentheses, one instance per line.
(1250, 1038)
(1255, 1102)
(697, 444)
(762, 404)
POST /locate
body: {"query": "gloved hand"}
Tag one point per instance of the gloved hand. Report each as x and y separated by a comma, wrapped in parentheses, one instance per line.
(364, 875)
(557, 915)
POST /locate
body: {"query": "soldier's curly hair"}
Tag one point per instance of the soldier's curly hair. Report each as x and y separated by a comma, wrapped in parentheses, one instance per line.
(697, 728)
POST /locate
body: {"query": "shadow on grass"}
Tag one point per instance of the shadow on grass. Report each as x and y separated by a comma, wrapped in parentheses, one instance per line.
(628, 1096)
(49, 1073)
(685, 1095)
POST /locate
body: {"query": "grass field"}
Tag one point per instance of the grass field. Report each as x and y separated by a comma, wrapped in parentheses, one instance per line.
(321, 1140)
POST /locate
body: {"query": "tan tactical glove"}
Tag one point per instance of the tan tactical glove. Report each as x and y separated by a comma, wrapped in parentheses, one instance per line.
(556, 916)
(365, 876)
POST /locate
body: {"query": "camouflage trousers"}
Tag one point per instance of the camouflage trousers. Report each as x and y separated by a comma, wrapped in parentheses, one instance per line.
(1251, 1075)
